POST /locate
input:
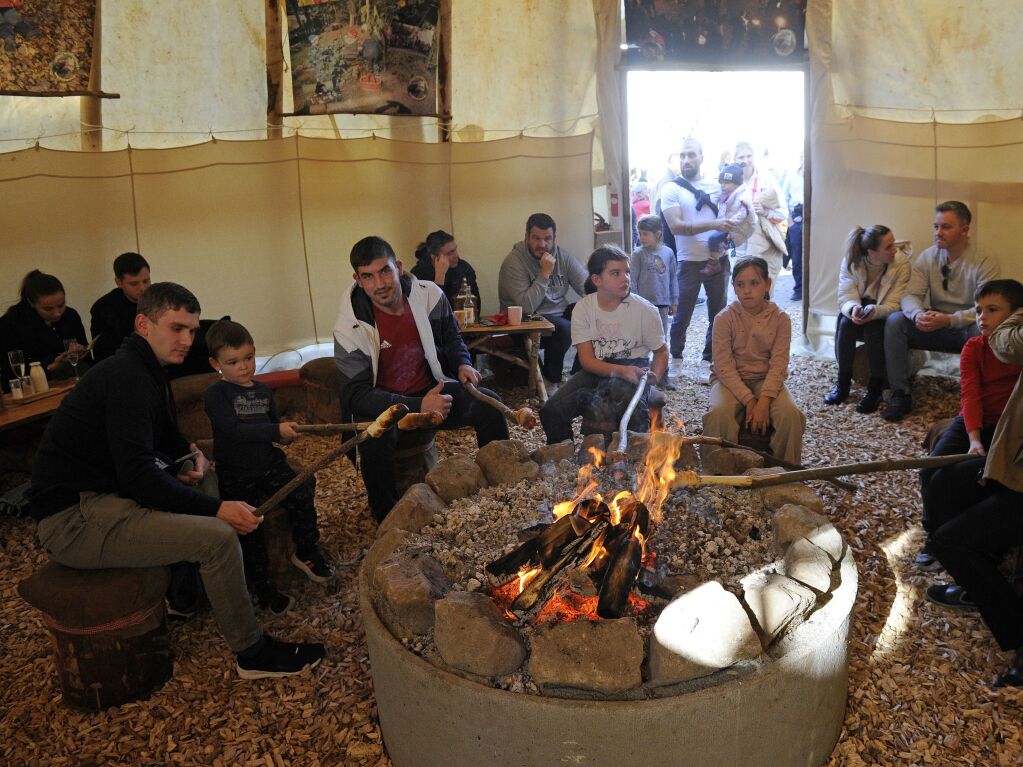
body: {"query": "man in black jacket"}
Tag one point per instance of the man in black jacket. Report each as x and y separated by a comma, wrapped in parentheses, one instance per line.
(113, 315)
(104, 497)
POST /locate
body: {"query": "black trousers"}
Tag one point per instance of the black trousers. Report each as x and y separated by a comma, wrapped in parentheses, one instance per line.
(970, 546)
(847, 334)
(376, 456)
(937, 485)
(300, 508)
(555, 347)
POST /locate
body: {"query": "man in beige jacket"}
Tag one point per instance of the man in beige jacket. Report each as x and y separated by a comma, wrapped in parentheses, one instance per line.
(971, 545)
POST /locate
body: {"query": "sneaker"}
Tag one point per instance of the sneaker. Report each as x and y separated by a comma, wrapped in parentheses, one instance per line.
(179, 614)
(925, 560)
(952, 597)
(275, 601)
(838, 394)
(666, 384)
(703, 372)
(1014, 676)
(275, 659)
(899, 406)
(871, 402)
(313, 565)
(796, 296)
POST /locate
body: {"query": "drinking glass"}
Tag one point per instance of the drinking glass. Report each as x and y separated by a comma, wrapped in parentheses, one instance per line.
(75, 352)
(17, 359)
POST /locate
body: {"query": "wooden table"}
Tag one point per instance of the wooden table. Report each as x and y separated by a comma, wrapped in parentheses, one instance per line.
(481, 338)
(17, 414)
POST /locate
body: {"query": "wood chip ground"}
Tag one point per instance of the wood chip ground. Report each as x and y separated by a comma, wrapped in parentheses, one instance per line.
(918, 678)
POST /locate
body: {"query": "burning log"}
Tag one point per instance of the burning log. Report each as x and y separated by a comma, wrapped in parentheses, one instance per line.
(620, 577)
(523, 417)
(539, 588)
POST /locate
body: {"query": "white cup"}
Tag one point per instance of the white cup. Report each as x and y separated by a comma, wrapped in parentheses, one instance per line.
(514, 315)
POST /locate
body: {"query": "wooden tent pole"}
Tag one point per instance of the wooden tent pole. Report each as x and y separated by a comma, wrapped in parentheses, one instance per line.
(274, 70)
(90, 108)
(444, 70)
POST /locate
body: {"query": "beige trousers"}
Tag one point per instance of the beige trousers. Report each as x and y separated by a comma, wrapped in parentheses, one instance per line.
(723, 419)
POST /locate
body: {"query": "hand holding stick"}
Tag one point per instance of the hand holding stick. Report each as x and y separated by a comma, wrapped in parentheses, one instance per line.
(524, 417)
(384, 421)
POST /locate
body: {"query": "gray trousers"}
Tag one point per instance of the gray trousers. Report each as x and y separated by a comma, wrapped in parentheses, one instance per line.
(105, 530)
(722, 420)
(901, 334)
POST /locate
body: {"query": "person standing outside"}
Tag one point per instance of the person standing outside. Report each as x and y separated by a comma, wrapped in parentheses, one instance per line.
(113, 315)
(937, 309)
(768, 239)
(536, 275)
(689, 206)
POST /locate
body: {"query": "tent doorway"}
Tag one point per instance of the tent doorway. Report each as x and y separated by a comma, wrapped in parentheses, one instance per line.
(720, 109)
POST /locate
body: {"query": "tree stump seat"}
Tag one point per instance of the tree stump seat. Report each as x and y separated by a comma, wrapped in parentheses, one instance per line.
(109, 631)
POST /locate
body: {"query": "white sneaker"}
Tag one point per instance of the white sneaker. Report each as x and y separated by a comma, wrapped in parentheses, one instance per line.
(703, 373)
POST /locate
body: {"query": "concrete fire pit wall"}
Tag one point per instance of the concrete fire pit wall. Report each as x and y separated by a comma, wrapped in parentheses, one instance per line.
(789, 711)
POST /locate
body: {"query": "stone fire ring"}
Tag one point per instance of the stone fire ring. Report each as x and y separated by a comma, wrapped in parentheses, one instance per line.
(787, 711)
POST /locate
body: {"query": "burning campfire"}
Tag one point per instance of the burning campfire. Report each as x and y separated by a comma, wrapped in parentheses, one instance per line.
(586, 563)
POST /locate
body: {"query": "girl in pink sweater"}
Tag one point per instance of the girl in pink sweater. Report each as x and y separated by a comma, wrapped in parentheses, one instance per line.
(751, 362)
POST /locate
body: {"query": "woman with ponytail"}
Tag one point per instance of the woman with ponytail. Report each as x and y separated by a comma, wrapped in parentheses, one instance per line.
(873, 277)
(437, 260)
(38, 324)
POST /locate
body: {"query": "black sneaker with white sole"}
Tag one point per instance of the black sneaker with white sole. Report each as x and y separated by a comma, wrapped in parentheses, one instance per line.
(275, 658)
(314, 565)
(277, 602)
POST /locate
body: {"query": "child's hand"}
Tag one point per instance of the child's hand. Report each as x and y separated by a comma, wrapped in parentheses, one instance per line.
(758, 417)
(287, 430)
(976, 448)
(629, 373)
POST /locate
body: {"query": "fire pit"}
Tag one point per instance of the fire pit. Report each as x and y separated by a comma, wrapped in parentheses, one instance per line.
(515, 617)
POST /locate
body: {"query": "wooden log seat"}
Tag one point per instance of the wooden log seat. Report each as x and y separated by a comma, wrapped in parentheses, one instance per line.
(322, 396)
(415, 456)
(109, 632)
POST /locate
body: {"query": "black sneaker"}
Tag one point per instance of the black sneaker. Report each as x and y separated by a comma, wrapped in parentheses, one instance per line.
(313, 565)
(952, 597)
(275, 601)
(276, 658)
(899, 406)
(1014, 676)
(179, 613)
(925, 560)
(838, 394)
(871, 402)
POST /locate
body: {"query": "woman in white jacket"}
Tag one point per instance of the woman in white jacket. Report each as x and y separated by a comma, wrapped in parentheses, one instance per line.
(871, 282)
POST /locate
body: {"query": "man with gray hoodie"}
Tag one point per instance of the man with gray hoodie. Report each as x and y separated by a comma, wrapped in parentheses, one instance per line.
(536, 275)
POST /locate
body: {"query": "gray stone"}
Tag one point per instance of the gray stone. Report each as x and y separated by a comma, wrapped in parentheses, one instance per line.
(776, 496)
(407, 588)
(701, 632)
(414, 511)
(792, 522)
(779, 604)
(472, 635)
(604, 656)
(382, 548)
(506, 461)
(809, 565)
(595, 441)
(561, 451)
(730, 461)
(455, 478)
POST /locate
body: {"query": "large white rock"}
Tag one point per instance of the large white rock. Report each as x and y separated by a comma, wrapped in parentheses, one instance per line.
(701, 632)
(778, 603)
(792, 522)
(809, 564)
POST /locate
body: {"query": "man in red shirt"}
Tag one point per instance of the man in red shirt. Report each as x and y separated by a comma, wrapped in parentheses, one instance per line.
(396, 341)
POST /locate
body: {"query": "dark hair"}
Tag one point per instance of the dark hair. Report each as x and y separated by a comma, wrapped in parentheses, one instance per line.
(227, 333)
(37, 284)
(1010, 290)
(129, 263)
(757, 263)
(541, 221)
(433, 243)
(369, 249)
(861, 240)
(599, 258)
(164, 296)
(650, 223)
(717, 242)
(958, 208)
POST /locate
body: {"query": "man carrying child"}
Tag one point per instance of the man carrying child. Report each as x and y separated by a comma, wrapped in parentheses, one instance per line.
(249, 467)
(396, 342)
(614, 332)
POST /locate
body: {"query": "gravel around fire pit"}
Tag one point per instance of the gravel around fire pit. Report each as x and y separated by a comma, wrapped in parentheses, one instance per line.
(918, 674)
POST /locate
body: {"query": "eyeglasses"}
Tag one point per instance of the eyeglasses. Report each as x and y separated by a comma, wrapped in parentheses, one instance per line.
(944, 277)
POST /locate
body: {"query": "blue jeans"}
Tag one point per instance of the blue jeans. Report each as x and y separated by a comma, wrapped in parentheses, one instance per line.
(794, 241)
(689, 281)
(901, 334)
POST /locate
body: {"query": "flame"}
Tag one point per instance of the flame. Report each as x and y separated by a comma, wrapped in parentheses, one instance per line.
(598, 457)
(616, 503)
(563, 508)
(525, 576)
(654, 478)
(596, 549)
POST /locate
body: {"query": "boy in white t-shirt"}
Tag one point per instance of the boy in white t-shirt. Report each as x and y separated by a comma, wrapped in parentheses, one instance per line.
(614, 333)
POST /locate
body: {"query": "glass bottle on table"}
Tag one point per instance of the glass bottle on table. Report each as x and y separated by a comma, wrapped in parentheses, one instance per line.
(38, 376)
(466, 303)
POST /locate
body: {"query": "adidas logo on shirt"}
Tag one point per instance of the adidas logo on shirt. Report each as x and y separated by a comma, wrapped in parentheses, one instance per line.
(385, 344)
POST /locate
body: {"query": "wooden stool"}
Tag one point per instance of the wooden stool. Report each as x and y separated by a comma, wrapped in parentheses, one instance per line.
(108, 629)
(322, 395)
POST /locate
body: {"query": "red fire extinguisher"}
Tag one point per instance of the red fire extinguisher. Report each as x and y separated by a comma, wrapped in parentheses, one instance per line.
(614, 204)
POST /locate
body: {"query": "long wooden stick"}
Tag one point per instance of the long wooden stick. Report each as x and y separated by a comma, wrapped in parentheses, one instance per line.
(384, 422)
(332, 428)
(692, 479)
(524, 416)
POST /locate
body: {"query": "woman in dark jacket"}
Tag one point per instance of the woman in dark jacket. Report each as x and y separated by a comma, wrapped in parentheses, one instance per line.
(38, 325)
(437, 260)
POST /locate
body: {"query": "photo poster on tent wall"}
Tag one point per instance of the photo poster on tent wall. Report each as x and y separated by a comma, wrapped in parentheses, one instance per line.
(715, 32)
(364, 56)
(45, 46)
